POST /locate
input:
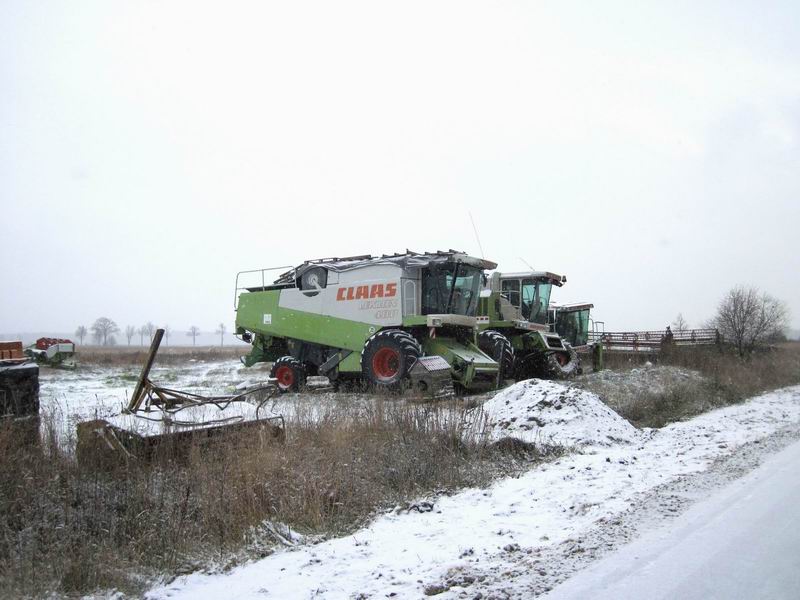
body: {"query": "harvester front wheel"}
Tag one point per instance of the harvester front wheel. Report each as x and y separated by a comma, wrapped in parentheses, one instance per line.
(563, 365)
(289, 372)
(499, 348)
(388, 356)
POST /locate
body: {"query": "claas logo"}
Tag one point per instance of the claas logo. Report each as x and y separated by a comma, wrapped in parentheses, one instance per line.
(365, 292)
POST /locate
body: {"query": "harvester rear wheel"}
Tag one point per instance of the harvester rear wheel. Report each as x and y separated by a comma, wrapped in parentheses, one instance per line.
(499, 348)
(388, 356)
(289, 372)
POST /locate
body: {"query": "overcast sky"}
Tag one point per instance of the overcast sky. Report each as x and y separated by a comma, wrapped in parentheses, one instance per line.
(150, 150)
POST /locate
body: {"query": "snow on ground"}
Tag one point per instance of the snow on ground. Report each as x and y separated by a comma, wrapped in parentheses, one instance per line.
(622, 388)
(94, 392)
(467, 538)
(550, 412)
(740, 542)
(68, 397)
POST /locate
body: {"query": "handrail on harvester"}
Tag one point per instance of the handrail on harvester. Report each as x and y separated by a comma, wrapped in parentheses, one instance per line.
(263, 281)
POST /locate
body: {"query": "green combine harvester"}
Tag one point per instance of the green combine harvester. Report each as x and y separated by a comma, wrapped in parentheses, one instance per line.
(393, 321)
(514, 328)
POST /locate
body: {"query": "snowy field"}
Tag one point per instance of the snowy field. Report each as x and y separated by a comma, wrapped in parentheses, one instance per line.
(93, 392)
(507, 541)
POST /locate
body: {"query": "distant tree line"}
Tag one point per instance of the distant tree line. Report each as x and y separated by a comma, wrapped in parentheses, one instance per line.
(105, 330)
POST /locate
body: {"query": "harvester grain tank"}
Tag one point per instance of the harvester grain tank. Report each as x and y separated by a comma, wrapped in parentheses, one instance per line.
(514, 326)
(392, 320)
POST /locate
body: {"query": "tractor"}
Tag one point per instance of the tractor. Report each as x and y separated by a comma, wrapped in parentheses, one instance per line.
(392, 321)
(514, 329)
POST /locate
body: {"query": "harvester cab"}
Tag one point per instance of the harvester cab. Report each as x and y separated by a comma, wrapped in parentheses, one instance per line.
(389, 320)
(522, 297)
(515, 330)
(571, 322)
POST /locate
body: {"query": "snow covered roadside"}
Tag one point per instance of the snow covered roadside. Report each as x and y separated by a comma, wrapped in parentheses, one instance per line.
(476, 532)
(738, 542)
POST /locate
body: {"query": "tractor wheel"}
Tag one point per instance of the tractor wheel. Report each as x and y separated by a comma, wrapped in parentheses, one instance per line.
(563, 365)
(498, 347)
(290, 373)
(388, 356)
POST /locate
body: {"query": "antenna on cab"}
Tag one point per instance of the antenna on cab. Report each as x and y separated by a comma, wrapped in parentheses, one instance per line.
(477, 237)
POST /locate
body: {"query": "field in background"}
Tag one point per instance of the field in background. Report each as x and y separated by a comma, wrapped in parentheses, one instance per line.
(167, 355)
(177, 338)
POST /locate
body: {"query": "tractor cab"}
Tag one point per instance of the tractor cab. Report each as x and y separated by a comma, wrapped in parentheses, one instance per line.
(524, 296)
(571, 322)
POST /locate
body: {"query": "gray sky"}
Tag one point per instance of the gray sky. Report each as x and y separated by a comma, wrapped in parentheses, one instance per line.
(150, 150)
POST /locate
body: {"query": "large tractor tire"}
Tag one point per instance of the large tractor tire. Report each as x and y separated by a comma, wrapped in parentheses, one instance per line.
(290, 373)
(498, 347)
(563, 365)
(388, 356)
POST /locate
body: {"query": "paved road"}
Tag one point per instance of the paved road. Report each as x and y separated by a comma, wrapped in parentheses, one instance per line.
(743, 542)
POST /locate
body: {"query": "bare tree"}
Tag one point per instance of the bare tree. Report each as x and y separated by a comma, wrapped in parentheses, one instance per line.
(81, 332)
(130, 331)
(193, 332)
(680, 324)
(103, 330)
(221, 329)
(748, 318)
(149, 329)
(167, 331)
(142, 331)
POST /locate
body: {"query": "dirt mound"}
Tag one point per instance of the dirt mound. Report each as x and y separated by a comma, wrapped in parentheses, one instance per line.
(550, 412)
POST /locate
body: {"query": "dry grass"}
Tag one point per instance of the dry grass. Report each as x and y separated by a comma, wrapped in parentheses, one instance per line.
(69, 530)
(727, 379)
(167, 355)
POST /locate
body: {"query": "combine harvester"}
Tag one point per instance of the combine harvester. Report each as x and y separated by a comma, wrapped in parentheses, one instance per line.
(571, 322)
(514, 327)
(574, 324)
(395, 321)
(159, 421)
